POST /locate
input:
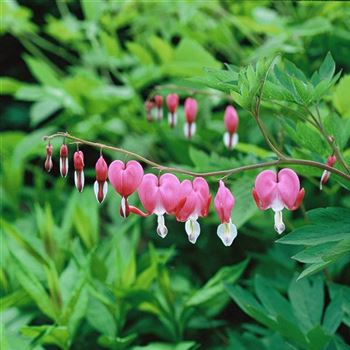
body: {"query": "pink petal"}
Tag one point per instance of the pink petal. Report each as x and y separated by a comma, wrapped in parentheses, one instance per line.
(223, 203)
(288, 187)
(265, 190)
(231, 119)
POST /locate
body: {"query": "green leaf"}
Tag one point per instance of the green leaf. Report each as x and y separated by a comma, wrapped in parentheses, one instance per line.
(43, 72)
(43, 109)
(9, 86)
(334, 314)
(101, 318)
(327, 68)
(341, 96)
(188, 345)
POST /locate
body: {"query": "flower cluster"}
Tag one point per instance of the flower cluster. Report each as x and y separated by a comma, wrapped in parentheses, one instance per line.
(188, 200)
(190, 113)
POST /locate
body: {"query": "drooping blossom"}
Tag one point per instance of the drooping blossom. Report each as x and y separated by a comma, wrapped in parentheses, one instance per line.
(191, 109)
(223, 203)
(149, 105)
(158, 99)
(125, 179)
(326, 174)
(172, 101)
(278, 191)
(79, 178)
(194, 202)
(231, 123)
(159, 196)
(64, 160)
(48, 161)
(101, 185)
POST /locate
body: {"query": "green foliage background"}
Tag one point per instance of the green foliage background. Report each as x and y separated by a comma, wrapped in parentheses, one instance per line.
(73, 274)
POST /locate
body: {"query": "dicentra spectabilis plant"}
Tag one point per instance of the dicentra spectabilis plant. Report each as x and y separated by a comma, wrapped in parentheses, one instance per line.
(158, 99)
(48, 161)
(194, 202)
(224, 202)
(191, 109)
(278, 191)
(125, 179)
(326, 174)
(64, 160)
(101, 185)
(160, 196)
(79, 177)
(172, 101)
(231, 124)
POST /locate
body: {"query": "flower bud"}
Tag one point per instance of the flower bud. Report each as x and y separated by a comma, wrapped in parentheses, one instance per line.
(48, 161)
(158, 99)
(326, 174)
(101, 185)
(79, 178)
(231, 123)
(172, 102)
(191, 109)
(64, 160)
(149, 105)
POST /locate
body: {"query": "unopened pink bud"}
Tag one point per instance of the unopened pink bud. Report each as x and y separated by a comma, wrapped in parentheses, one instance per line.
(101, 186)
(48, 161)
(231, 124)
(326, 174)
(64, 160)
(158, 99)
(149, 105)
(172, 101)
(79, 177)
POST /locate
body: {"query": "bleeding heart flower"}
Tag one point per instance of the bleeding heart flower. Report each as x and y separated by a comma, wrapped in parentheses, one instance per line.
(172, 102)
(149, 105)
(224, 202)
(278, 191)
(125, 178)
(101, 185)
(158, 99)
(64, 160)
(326, 174)
(231, 124)
(194, 202)
(191, 109)
(48, 161)
(79, 178)
(159, 196)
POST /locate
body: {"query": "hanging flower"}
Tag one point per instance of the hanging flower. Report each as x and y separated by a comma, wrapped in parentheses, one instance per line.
(48, 161)
(172, 102)
(278, 191)
(158, 99)
(101, 185)
(194, 202)
(149, 105)
(125, 178)
(64, 160)
(191, 109)
(224, 202)
(79, 178)
(159, 196)
(326, 174)
(231, 123)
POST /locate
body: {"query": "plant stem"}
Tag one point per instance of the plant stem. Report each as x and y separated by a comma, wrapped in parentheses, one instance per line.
(226, 173)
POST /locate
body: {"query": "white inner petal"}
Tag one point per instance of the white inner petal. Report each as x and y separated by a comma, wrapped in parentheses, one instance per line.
(227, 138)
(227, 233)
(161, 228)
(279, 225)
(234, 140)
(277, 204)
(96, 189)
(193, 230)
(324, 178)
(172, 118)
(123, 206)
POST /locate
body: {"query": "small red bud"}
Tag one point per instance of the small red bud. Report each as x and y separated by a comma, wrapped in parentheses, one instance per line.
(101, 186)
(48, 161)
(64, 160)
(79, 177)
